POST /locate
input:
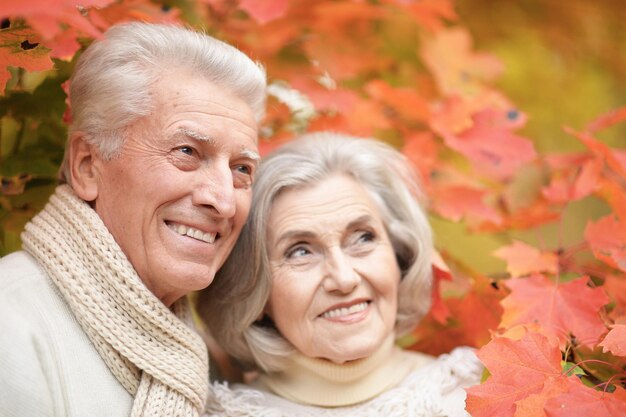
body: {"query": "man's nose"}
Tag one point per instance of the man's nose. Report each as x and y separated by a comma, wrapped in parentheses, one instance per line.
(339, 271)
(215, 189)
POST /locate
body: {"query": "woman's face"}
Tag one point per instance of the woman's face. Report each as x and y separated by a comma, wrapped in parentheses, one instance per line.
(334, 272)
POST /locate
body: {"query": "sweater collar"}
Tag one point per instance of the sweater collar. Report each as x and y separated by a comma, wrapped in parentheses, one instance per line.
(321, 382)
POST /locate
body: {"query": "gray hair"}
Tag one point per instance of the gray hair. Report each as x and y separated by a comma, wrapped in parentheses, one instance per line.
(111, 84)
(233, 304)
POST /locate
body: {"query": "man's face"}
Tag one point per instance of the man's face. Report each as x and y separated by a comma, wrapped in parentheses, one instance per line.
(179, 193)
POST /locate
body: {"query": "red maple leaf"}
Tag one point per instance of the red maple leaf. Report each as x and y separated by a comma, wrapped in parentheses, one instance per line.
(458, 201)
(21, 48)
(523, 259)
(49, 21)
(575, 182)
(607, 238)
(560, 309)
(441, 272)
(456, 67)
(264, 11)
(429, 14)
(615, 341)
(518, 368)
(582, 401)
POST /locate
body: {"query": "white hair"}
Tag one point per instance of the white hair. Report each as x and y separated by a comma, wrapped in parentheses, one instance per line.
(112, 82)
(234, 303)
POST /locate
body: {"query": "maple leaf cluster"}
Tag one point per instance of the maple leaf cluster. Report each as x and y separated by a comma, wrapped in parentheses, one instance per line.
(550, 328)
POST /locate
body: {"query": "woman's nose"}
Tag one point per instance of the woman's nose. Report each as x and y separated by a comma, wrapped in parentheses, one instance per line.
(339, 271)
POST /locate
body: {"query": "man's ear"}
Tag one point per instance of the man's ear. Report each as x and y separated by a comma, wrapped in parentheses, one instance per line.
(82, 161)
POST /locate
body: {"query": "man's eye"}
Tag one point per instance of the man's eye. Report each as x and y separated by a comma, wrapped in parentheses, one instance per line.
(244, 169)
(188, 150)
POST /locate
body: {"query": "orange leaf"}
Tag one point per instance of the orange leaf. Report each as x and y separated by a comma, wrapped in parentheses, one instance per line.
(49, 20)
(405, 102)
(615, 287)
(563, 189)
(607, 238)
(421, 149)
(456, 202)
(518, 369)
(615, 159)
(490, 144)
(615, 341)
(533, 405)
(264, 11)
(21, 48)
(429, 13)
(607, 120)
(441, 272)
(582, 401)
(562, 309)
(615, 195)
(523, 259)
(456, 68)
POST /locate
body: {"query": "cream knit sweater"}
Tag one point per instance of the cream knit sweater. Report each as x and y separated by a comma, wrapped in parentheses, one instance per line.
(48, 366)
(433, 388)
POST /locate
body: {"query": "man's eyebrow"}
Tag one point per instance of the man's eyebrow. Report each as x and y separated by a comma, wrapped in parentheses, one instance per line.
(247, 153)
(193, 134)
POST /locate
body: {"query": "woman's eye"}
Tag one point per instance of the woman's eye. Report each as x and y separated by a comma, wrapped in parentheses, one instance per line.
(297, 252)
(366, 237)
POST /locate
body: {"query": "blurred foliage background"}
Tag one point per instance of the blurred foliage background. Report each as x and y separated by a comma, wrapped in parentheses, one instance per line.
(511, 111)
(564, 64)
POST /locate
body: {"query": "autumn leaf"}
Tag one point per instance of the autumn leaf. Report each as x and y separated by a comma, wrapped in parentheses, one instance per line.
(615, 341)
(582, 401)
(457, 69)
(518, 368)
(406, 103)
(49, 21)
(264, 11)
(607, 238)
(607, 120)
(615, 287)
(533, 405)
(614, 193)
(441, 272)
(459, 201)
(575, 183)
(21, 48)
(422, 150)
(615, 159)
(523, 259)
(490, 144)
(560, 309)
(429, 14)
(475, 313)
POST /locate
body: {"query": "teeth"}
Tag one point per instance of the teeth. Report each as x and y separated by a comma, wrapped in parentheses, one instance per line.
(344, 311)
(193, 233)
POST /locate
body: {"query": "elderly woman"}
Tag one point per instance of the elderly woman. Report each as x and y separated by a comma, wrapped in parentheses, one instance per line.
(332, 267)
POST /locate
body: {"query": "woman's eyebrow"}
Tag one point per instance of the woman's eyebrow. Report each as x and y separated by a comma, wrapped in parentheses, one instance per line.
(295, 234)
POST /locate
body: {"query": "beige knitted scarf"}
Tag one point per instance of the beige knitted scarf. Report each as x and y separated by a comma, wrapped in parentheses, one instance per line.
(151, 350)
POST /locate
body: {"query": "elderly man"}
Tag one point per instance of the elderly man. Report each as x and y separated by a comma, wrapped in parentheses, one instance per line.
(157, 173)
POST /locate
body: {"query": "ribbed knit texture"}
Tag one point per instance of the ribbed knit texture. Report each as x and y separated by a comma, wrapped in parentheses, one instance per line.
(151, 350)
(324, 383)
(435, 389)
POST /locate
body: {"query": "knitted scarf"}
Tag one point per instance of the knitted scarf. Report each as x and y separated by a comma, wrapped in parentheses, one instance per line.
(149, 348)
